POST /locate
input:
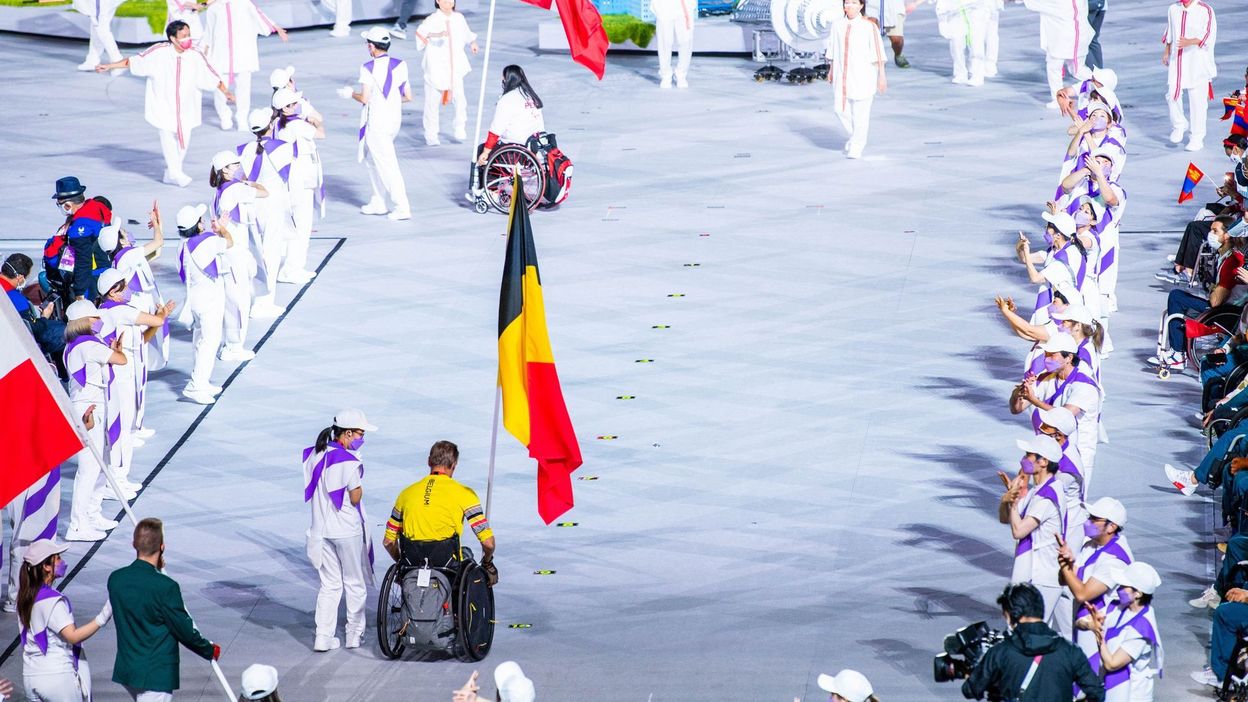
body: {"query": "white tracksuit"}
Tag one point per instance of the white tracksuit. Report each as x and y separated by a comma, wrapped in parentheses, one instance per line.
(337, 541)
(234, 206)
(965, 24)
(445, 63)
(304, 187)
(855, 54)
(1065, 34)
(1191, 68)
(101, 13)
(673, 26)
(174, 81)
(203, 266)
(274, 221)
(230, 31)
(386, 80)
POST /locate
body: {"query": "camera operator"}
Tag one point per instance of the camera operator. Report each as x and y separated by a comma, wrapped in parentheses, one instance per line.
(1033, 662)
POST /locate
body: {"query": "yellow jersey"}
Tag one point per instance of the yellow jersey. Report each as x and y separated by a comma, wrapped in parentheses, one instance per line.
(434, 509)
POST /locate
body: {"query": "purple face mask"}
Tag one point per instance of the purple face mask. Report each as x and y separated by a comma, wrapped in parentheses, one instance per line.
(356, 444)
(1048, 238)
(1051, 364)
(1082, 219)
(1091, 530)
(60, 569)
(1124, 596)
(1028, 465)
(1099, 123)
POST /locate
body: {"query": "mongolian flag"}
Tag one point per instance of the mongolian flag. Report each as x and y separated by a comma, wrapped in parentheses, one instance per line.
(1240, 125)
(533, 408)
(1229, 105)
(1193, 177)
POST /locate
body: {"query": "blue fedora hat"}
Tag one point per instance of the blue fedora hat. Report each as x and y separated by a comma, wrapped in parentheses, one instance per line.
(68, 187)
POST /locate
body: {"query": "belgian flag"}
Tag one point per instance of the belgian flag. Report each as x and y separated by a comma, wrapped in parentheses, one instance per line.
(533, 408)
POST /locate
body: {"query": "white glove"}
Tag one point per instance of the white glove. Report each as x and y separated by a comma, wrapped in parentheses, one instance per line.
(345, 92)
(105, 615)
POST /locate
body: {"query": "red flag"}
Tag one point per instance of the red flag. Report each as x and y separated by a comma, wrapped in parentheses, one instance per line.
(544, 4)
(1190, 180)
(33, 408)
(586, 36)
(1194, 330)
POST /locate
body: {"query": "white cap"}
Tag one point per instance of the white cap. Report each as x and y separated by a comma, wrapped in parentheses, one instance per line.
(1106, 77)
(38, 551)
(285, 96)
(512, 685)
(1098, 105)
(1098, 209)
(1141, 576)
(107, 279)
(1062, 221)
(1065, 286)
(221, 159)
(849, 684)
(377, 35)
(81, 309)
(1043, 446)
(352, 419)
(190, 214)
(259, 681)
(110, 235)
(260, 119)
(1108, 508)
(1060, 343)
(1108, 152)
(280, 77)
(1074, 313)
(1060, 419)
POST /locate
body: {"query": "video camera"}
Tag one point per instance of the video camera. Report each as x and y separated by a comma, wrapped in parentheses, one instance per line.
(963, 649)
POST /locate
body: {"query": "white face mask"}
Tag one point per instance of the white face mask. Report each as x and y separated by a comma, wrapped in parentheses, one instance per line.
(1214, 241)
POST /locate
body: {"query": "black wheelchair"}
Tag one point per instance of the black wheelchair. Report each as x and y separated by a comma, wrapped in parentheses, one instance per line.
(471, 603)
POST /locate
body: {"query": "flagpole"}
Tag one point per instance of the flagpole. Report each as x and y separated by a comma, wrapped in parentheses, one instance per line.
(108, 474)
(489, 481)
(485, 75)
(225, 685)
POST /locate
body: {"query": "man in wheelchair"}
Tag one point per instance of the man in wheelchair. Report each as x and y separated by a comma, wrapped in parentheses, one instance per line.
(436, 597)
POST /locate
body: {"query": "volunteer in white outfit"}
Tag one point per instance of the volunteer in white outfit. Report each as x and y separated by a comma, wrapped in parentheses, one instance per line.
(857, 73)
(89, 362)
(176, 73)
(1191, 34)
(1036, 520)
(268, 161)
(383, 90)
(285, 78)
(965, 24)
(186, 11)
(1065, 34)
(203, 267)
(1129, 648)
(100, 12)
(1064, 383)
(443, 36)
(1090, 575)
(517, 116)
(338, 542)
(673, 26)
(306, 184)
(53, 666)
(231, 28)
(123, 318)
(234, 209)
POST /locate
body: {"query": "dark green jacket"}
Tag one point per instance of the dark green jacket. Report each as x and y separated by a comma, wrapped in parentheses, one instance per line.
(151, 620)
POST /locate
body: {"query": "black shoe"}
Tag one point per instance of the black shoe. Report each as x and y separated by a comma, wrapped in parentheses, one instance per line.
(901, 61)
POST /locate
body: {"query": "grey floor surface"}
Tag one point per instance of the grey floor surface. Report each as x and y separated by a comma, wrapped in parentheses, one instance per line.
(805, 479)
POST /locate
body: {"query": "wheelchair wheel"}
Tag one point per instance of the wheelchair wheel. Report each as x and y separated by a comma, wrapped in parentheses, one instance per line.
(503, 163)
(390, 617)
(475, 613)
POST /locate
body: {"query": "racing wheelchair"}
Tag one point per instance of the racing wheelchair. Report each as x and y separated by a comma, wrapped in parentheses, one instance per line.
(433, 609)
(545, 174)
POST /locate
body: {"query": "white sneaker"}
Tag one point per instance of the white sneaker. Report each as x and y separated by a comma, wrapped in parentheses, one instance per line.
(1183, 480)
(354, 640)
(108, 494)
(461, 135)
(990, 71)
(398, 31)
(975, 81)
(1176, 135)
(266, 310)
(854, 152)
(324, 643)
(85, 535)
(9, 606)
(1194, 145)
(145, 433)
(179, 179)
(238, 354)
(88, 65)
(103, 523)
(682, 82)
(1209, 598)
(1206, 677)
(473, 194)
(340, 33)
(961, 79)
(296, 277)
(400, 214)
(1051, 105)
(202, 398)
(666, 83)
(136, 442)
(213, 389)
(374, 207)
(227, 124)
(1169, 359)
(433, 142)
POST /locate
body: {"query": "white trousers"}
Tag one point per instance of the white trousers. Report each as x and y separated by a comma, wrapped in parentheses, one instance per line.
(1053, 71)
(433, 104)
(1051, 594)
(302, 210)
(1198, 108)
(856, 119)
(237, 304)
(207, 307)
(88, 479)
(383, 168)
(342, 16)
(974, 24)
(173, 152)
(341, 570)
(669, 33)
(149, 695)
(1063, 621)
(277, 229)
(242, 100)
(102, 41)
(69, 686)
(1108, 276)
(120, 454)
(992, 40)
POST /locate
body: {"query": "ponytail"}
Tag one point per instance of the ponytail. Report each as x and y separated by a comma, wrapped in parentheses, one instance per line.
(215, 179)
(1096, 332)
(31, 581)
(328, 434)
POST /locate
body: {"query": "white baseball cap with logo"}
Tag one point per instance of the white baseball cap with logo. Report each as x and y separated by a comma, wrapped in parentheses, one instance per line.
(1108, 508)
(376, 35)
(850, 684)
(352, 419)
(259, 681)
